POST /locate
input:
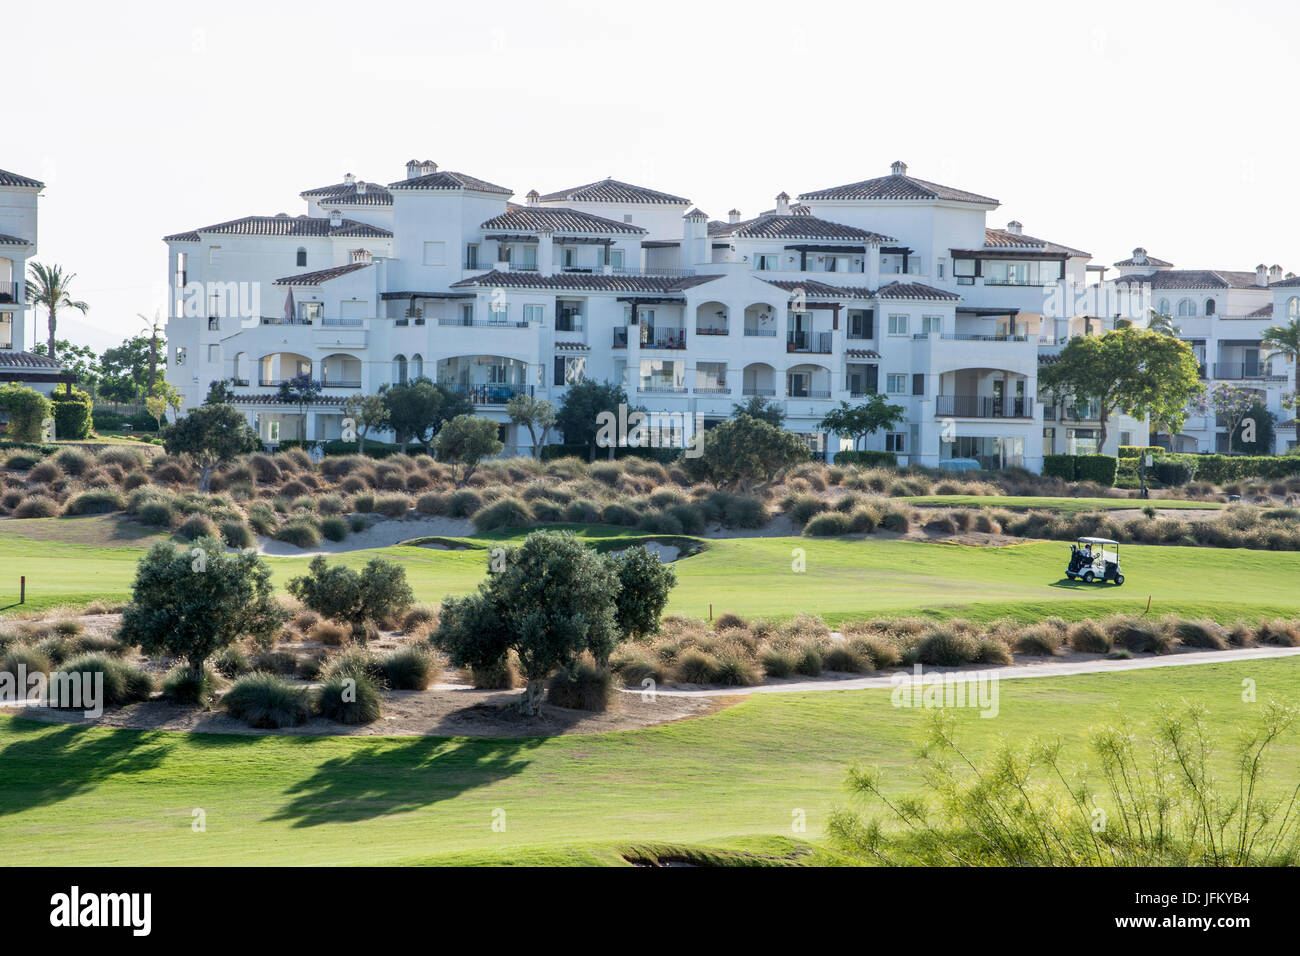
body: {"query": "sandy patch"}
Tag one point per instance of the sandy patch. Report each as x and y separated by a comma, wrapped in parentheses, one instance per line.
(381, 533)
(666, 553)
(779, 527)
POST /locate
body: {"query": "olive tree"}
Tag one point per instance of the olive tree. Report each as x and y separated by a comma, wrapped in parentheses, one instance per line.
(464, 441)
(193, 600)
(210, 434)
(354, 598)
(535, 414)
(745, 452)
(644, 584)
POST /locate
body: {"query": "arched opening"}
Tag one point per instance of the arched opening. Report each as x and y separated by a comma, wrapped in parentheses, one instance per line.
(239, 367)
(807, 381)
(1209, 307)
(1293, 307)
(340, 370)
(416, 366)
(1186, 308)
(759, 378)
(281, 367)
(760, 320)
(399, 369)
(711, 319)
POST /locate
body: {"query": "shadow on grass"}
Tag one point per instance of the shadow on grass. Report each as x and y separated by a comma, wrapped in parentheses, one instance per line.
(1068, 585)
(388, 777)
(41, 767)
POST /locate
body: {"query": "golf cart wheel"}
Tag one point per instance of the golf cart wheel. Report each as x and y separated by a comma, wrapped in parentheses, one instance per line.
(1070, 575)
(1087, 577)
(1119, 579)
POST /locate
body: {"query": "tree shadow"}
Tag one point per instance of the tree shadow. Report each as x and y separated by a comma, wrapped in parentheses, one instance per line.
(42, 767)
(387, 778)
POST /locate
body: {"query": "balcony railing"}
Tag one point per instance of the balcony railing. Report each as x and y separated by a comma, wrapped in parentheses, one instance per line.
(482, 323)
(807, 393)
(972, 337)
(11, 292)
(818, 342)
(702, 330)
(569, 322)
(713, 388)
(343, 323)
(665, 339)
(342, 383)
(767, 392)
(980, 406)
(281, 320)
(760, 333)
(489, 394)
(1239, 370)
(660, 389)
(667, 273)
(523, 267)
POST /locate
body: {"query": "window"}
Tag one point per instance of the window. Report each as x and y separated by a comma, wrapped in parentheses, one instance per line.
(273, 431)
(940, 269)
(616, 258)
(965, 270)
(529, 257)
(214, 324)
(180, 355)
(766, 263)
(896, 383)
(918, 383)
(471, 255)
(570, 257)
(1163, 307)
(399, 369)
(214, 253)
(898, 325)
(896, 441)
(302, 256)
(931, 323)
(1186, 308)
(1209, 307)
(861, 324)
(533, 314)
(467, 314)
(182, 268)
(311, 311)
(435, 253)
(1293, 307)
(498, 313)
(570, 369)
(1019, 272)
(1126, 438)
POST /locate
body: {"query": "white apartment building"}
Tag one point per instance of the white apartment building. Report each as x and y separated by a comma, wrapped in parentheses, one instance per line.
(1222, 314)
(18, 227)
(892, 284)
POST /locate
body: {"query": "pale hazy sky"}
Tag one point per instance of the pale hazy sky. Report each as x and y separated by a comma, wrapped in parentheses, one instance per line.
(1100, 125)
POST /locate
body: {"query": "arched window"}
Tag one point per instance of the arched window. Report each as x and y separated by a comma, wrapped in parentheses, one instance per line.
(1186, 308)
(302, 256)
(1209, 307)
(1293, 307)
(1163, 307)
(417, 366)
(399, 369)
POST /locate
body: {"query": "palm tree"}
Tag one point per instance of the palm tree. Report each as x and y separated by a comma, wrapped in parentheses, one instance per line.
(1284, 340)
(151, 329)
(1164, 324)
(47, 286)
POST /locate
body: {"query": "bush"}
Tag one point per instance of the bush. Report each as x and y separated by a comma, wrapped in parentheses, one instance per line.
(503, 513)
(1059, 466)
(896, 519)
(1203, 634)
(300, 532)
(801, 508)
(1039, 639)
(779, 660)
(946, 646)
(742, 511)
(810, 661)
(1096, 468)
(123, 684)
(847, 659)
(334, 528)
(96, 501)
(463, 503)
(828, 524)
(410, 668)
(73, 462)
(393, 506)
(878, 649)
(197, 526)
(432, 503)
(267, 702)
(870, 459)
(1089, 637)
(156, 513)
(1279, 632)
(37, 506)
(236, 534)
(1137, 451)
(583, 686)
(352, 699)
(33, 661)
(183, 686)
(1139, 636)
(502, 674)
(635, 667)
(695, 666)
(231, 661)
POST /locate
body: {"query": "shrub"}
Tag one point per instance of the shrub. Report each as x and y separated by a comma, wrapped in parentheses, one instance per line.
(33, 660)
(801, 508)
(37, 506)
(299, 532)
(334, 528)
(231, 661)
(328, 633)
(21, 461)
(1282, 633)
(993, 651)
(352, 699)
(43, 473)
(1138, 636)
(183, 686)
(274, 662)
(1203, 634)
(1059, 466)
(847, 659)
(72, 414)
(1038, 639)
(364, 503)
(729, 621)
(618, 514)
(810, 661)
(124, 456)
(156, 513)
(73, 462)
(267, 702)
(410, 668)
(583, 686)
(1096, 468)
(584, 511)
(123, 684)
(502, 674)
(696, 666)
(873, 459)
(1088, 637)
(503, 513)
(828, 524)
(896, 519)
(463, 503)
(393, 506)
(742, 511)
(880, 650)
(778, 660)
(357, 523)
(432, 503)
(946, 646)
(94, 502)
(237, 534)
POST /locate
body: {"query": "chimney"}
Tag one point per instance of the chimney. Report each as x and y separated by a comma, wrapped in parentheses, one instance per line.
(1015, 228)
(348, 178)
(783, 203)
(360, 255)
(733, 216)
(413, 169)
(532, 197)
(1140, 256)
(336, 218)
(428, 168)
(1275, 273)
(898, 168)
(1261, 275)
(361, 187)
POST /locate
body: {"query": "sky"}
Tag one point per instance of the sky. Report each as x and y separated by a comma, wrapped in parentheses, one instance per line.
(1103, 126)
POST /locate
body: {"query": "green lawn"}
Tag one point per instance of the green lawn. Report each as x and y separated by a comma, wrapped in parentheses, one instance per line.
(1064, 505)
(843, 578)
(77, 796)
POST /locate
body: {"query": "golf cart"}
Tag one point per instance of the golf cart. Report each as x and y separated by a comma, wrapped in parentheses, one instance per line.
(1091, 561)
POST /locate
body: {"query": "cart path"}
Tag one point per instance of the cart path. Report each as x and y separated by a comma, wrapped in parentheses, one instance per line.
(1046, 668)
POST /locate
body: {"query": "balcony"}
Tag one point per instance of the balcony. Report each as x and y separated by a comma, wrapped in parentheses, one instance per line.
(972, 337)
(343, 323)
(980, 406)
(660, 388)
(281, 320)
(11, 292)
(807, 393)
(756, 390)
(523, 267)
(569, 322)
(667, 273)
(713, 387)
(342, 383)
(815, 342)
(489, 394)
(709, 330)
(664, 339)
(482, 323)
(760, 333)
(1243, 370)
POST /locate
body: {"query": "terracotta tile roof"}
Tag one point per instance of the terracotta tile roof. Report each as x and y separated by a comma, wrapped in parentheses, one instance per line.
(1289, 423)
(592, 281)
(1149, 261)
(557, 219)
(346, 194)
(14, 359)
(283, 225)
(1195, 279)
(862, 353)
(794, 227)
(572, 347)
(915, 290)
(13, 179)
(1292, 283)
(446, 179)
(893, 290)
(11, 240)
(1265, 312)
(897, 187)
(322, 275)
(612, 190)
(1003, 239)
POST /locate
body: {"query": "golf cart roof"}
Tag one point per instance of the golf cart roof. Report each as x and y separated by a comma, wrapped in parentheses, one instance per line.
(1098, 541)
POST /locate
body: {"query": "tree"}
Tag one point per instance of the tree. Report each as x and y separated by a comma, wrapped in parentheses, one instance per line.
(644, 583)
(580, 410)
(464, 442)
(764, 409)
(219, 393)
(27, 411)
(47, 287)
(554, 599)
(745, 452)
(1235, 404)
(1282, 341)
(73, 413)
(366, 412)
(1162, 323)
(863, 420)
(413, 410)
(192, 601)
(454, 402)
(301, 390)
(156, 406)
(81, 360)
(165, 395)
(533, 414)
(1137, 371)
(379, 591)
(210, 434)
(152, 329)
(125, 370)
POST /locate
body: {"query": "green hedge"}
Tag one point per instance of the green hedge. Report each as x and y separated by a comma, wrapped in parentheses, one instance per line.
(875, 459)
(71, 414)
(1218, 469)
(1059, 466)
(551, 452)
(1137, 451)
(374, 449)
(1096, 468)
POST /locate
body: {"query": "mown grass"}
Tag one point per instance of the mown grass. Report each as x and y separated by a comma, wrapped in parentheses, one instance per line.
(116, 797)
(1063, 505)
